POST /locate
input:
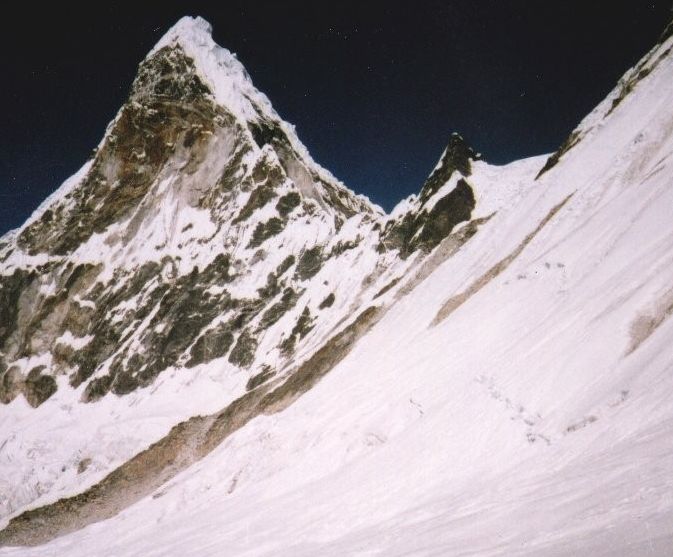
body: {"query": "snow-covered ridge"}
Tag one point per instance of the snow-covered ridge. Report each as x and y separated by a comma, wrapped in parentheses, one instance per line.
(68, 185)
(631, 80)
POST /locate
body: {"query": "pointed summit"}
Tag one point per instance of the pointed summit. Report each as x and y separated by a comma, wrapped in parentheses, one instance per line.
(187, 29)
(456, 157)
(191, 106)
(446, 200)
(231, 88)
(218, 68)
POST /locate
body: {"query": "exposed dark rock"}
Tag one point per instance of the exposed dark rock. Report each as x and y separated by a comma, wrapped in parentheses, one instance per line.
(268, 171)
(214, 343)
(182, 309)
(339, 199)
(230, 179)
(217, 271)
(457, 157)
(285, 265)
(309, 263)
(667, 33)
(262, 377)
(5, 256)
(452, 209)
(185, 444)
(426, 230)
(280, 308)
(398, 234)
(287, 345)
(343, 246)
(243, 352)
(301, 328)
(168, 74)
(309, 207)
(11, 383)
(62, 353)
(247, 310)
(641, 71)
(304, 324)
(83, 465)
(265, 230)
(328, 301)
(323, 360)
(77, 319)
(37, 387)
(43, 308)
(125, 382)
(259, 197)
(50, 316)
(388, 287)
(627, 87)
(265, 132)
(97, 388)
(11, 287)
(259, 255)
(106, 334)
(271, 288)
(456, 301)
(288, 203)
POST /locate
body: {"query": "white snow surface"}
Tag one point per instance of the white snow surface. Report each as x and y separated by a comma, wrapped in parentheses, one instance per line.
(534, 420)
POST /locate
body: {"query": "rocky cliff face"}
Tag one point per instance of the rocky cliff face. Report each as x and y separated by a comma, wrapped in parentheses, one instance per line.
(200, 231)
(193, 230)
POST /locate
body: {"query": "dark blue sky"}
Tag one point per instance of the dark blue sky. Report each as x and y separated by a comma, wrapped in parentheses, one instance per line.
(374, 90)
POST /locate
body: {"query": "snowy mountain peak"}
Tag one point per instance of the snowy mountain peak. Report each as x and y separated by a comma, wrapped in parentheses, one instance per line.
(198, 224)
(192, 111)
(220, 70)
(202, 295)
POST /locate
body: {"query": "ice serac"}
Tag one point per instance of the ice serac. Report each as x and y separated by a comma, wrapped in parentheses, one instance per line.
(241, 353)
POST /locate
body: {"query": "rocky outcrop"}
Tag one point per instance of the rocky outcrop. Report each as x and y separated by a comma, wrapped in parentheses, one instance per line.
(438, 208)
(457, 157)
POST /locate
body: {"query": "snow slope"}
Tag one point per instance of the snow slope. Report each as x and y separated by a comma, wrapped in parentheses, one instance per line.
(514, 398)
